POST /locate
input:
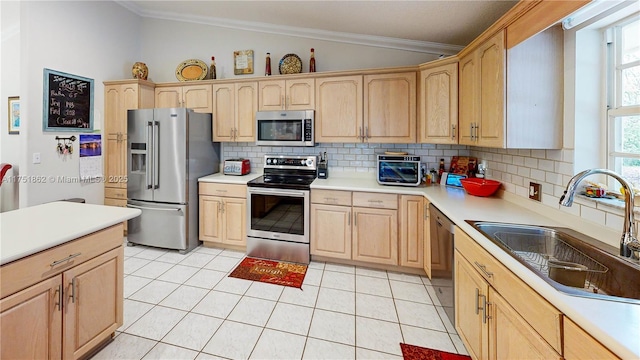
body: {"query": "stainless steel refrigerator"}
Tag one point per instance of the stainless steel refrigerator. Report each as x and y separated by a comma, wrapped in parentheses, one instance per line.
(168, 150)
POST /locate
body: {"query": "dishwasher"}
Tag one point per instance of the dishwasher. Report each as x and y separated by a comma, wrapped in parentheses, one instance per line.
(441, 233)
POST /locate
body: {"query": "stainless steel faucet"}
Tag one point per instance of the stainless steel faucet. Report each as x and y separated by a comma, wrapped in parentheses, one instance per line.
(629, 245)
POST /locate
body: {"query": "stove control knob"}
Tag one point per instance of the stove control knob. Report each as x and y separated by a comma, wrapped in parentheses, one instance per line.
(309, 162)
(268, 161)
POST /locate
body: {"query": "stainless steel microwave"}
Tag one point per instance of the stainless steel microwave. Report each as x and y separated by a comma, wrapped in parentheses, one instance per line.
(285, 128)
(399, 170)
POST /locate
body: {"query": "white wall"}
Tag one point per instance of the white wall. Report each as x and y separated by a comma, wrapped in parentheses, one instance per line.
(9, 86)
(93, 39)
(165, 44)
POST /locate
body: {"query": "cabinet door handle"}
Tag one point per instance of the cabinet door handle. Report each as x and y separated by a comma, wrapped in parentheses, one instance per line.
(231, 134)
(477, 301)
(483, 268)
(485, 312)
(484, 309)
(360, 136)
(426, 212)
(73, 290)
(58, 262)
(477, 131)
(453, 131)
(349, 219)
(283, 102)
(60, 297)
(366, 131)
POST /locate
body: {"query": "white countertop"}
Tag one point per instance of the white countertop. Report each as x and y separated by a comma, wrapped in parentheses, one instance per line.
(229, 179)
(614, 324)
(29, 230)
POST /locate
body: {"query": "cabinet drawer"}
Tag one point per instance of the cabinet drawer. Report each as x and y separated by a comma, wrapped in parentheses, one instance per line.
(539, 313)
(115, 193)
(331, 197)
(227, 190)
(375, 200)
(25, 272)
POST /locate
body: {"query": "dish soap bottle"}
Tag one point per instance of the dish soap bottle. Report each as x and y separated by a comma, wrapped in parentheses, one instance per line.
(212, 68)
(312, 62)
(267, 66)
(441, 170)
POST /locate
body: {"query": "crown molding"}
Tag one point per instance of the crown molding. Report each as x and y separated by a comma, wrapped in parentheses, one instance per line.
(349, 38)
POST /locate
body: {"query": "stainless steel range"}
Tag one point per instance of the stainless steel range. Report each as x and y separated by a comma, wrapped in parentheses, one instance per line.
(278, 209)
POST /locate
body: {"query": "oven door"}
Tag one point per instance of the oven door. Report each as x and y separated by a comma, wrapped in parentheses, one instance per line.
(278, 214)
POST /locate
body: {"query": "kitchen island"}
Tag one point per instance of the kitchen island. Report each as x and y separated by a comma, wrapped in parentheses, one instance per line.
(61, 294)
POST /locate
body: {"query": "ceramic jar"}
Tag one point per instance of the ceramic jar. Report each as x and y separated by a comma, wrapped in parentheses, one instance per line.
(140, 71)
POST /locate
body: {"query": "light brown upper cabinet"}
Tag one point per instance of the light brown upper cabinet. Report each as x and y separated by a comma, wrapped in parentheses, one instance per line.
(438, 103)
(338, 116)
(378, 107)
(390, 108)
(196, 97)
(235, 106)
(512, 98)
(297, 94)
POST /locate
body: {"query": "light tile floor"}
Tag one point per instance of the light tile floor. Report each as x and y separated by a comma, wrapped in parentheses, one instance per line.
(185, 307)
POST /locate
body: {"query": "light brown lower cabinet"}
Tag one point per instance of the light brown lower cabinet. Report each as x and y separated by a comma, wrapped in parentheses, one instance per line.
(355, 226)
(222, 214)
(491, 326)
(579, 345)
(411, 228)
(69, 313)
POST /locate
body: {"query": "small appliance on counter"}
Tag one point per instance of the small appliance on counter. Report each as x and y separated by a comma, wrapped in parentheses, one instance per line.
(403, 170)
(323, 166)
(236, 167)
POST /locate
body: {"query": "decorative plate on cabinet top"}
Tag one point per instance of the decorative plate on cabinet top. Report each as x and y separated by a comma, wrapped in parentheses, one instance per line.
(192, 69)
(290, 64)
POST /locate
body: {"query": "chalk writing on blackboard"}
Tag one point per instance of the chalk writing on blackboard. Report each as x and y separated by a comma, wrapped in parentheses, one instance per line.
(68, 102)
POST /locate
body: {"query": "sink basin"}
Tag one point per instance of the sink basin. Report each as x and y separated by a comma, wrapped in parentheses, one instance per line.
(571, 262)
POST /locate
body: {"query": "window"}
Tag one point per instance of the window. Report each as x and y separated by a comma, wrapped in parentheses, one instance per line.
(623, 98)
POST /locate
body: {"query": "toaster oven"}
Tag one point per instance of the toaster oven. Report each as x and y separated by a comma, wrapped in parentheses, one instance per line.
(399, 170)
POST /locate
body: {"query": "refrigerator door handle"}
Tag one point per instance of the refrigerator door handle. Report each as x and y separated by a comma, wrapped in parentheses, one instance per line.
(148, 170)
(156, 172)
(150, 208)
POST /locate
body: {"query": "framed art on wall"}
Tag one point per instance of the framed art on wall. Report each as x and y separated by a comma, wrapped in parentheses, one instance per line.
(14, 114)
(243, 62)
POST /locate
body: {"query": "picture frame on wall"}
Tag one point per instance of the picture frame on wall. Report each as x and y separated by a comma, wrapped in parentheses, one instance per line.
(243, 62)
(14, 114)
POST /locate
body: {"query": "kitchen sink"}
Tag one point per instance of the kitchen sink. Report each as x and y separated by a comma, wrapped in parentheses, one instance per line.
(571, 262)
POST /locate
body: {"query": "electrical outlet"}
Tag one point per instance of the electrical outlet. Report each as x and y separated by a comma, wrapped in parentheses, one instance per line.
(36, 158)
(535, 191)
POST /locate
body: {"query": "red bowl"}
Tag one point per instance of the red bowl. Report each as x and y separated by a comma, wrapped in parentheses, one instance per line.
(480, 187)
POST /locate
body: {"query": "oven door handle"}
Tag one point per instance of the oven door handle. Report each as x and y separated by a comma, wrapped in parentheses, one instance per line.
(276, 192)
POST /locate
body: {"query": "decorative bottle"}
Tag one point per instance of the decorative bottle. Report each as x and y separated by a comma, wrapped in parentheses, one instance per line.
(267, 66)
(212, 68)
(441, 170)
(312, 62)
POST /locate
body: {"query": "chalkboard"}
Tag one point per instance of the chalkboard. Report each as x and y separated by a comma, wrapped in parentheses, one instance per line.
(68, 102)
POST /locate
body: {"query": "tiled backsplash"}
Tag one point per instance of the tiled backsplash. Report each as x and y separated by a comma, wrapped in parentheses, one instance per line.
(515, 168)
(359, 157)
(552, 169)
